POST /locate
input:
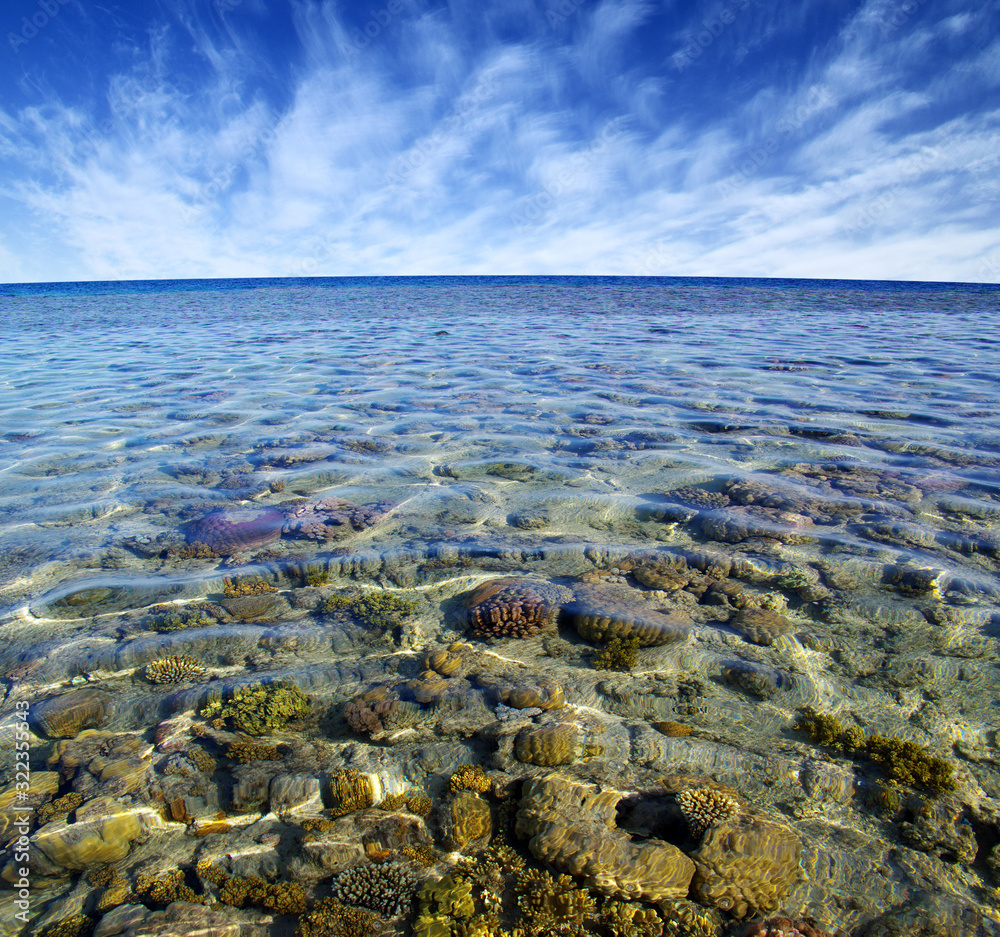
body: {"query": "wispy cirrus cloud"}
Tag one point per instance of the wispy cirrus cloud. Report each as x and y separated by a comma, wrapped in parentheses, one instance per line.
(486, 138)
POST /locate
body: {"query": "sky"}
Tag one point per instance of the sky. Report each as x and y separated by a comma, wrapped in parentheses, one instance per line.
(230, 138)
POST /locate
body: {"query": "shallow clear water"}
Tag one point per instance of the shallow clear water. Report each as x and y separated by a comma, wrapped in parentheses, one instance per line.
(838, 443)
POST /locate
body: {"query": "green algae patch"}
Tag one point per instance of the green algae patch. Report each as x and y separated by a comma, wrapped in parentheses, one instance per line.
(902, 760)
(257, 710)
(376, 610)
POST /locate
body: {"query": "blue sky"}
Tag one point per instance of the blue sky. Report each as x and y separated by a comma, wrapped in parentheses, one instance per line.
(205, 138)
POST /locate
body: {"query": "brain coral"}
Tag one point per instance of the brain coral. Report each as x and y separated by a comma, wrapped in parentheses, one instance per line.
(600, 613)
(572, 826)
(514, 608)
(745, 864)
(233, 530)
(333, 518)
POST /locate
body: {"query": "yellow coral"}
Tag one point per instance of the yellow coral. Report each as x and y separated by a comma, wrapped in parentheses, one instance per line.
(173, 670)
(470, 778)
(249, 585)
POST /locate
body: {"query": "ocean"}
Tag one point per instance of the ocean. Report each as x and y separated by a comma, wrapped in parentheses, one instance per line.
(281, 556)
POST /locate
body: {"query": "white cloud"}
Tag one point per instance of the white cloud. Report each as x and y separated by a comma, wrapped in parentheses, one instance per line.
(428, 152)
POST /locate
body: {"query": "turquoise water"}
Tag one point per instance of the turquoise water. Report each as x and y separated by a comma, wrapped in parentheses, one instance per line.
(837, 442)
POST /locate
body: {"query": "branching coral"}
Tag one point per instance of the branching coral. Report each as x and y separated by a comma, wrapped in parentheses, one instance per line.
(173, 670)
(625, 919)
(329, 918)
(387, 889)
(547, 901)
(256, 710)
(704, 806)
(252, 891)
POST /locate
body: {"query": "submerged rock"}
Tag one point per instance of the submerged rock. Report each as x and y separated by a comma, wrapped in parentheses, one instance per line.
(63, 717)
(602, 613)
(572, 826)
(234, 530)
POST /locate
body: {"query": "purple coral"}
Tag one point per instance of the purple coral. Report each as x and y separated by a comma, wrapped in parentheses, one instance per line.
(333, 518)
(233, 530)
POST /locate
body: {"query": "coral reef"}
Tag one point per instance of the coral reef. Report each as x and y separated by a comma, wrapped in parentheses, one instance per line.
(160, 891)
(675, 730)
(745, 864)
(469, 778)
(387, 889)
(268, 605)
(684, 918)
(102, 833)
(543, 694)
(603, 613)
(173, 670)
(246, 585)
(256, 710)
(572, 826)
(514, 608)
(557, 743)
(761, 625)
(449, 661)
(329, 918)
(79, 925)
(375, 610)
(466, 822)
(179, 619)
(380, 710)
(333, 518)
(779, 927)
(234, 530)
(903, 761)
(253, 891)
(704, 806)
(201, 759)
(620, 654)
(442, 902)
(60, 808)
(246, 750)
(548, 901)
(626, 919)
(65, 716)
(350, 790)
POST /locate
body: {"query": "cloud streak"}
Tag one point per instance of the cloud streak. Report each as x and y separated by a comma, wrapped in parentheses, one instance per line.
(433, 138)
